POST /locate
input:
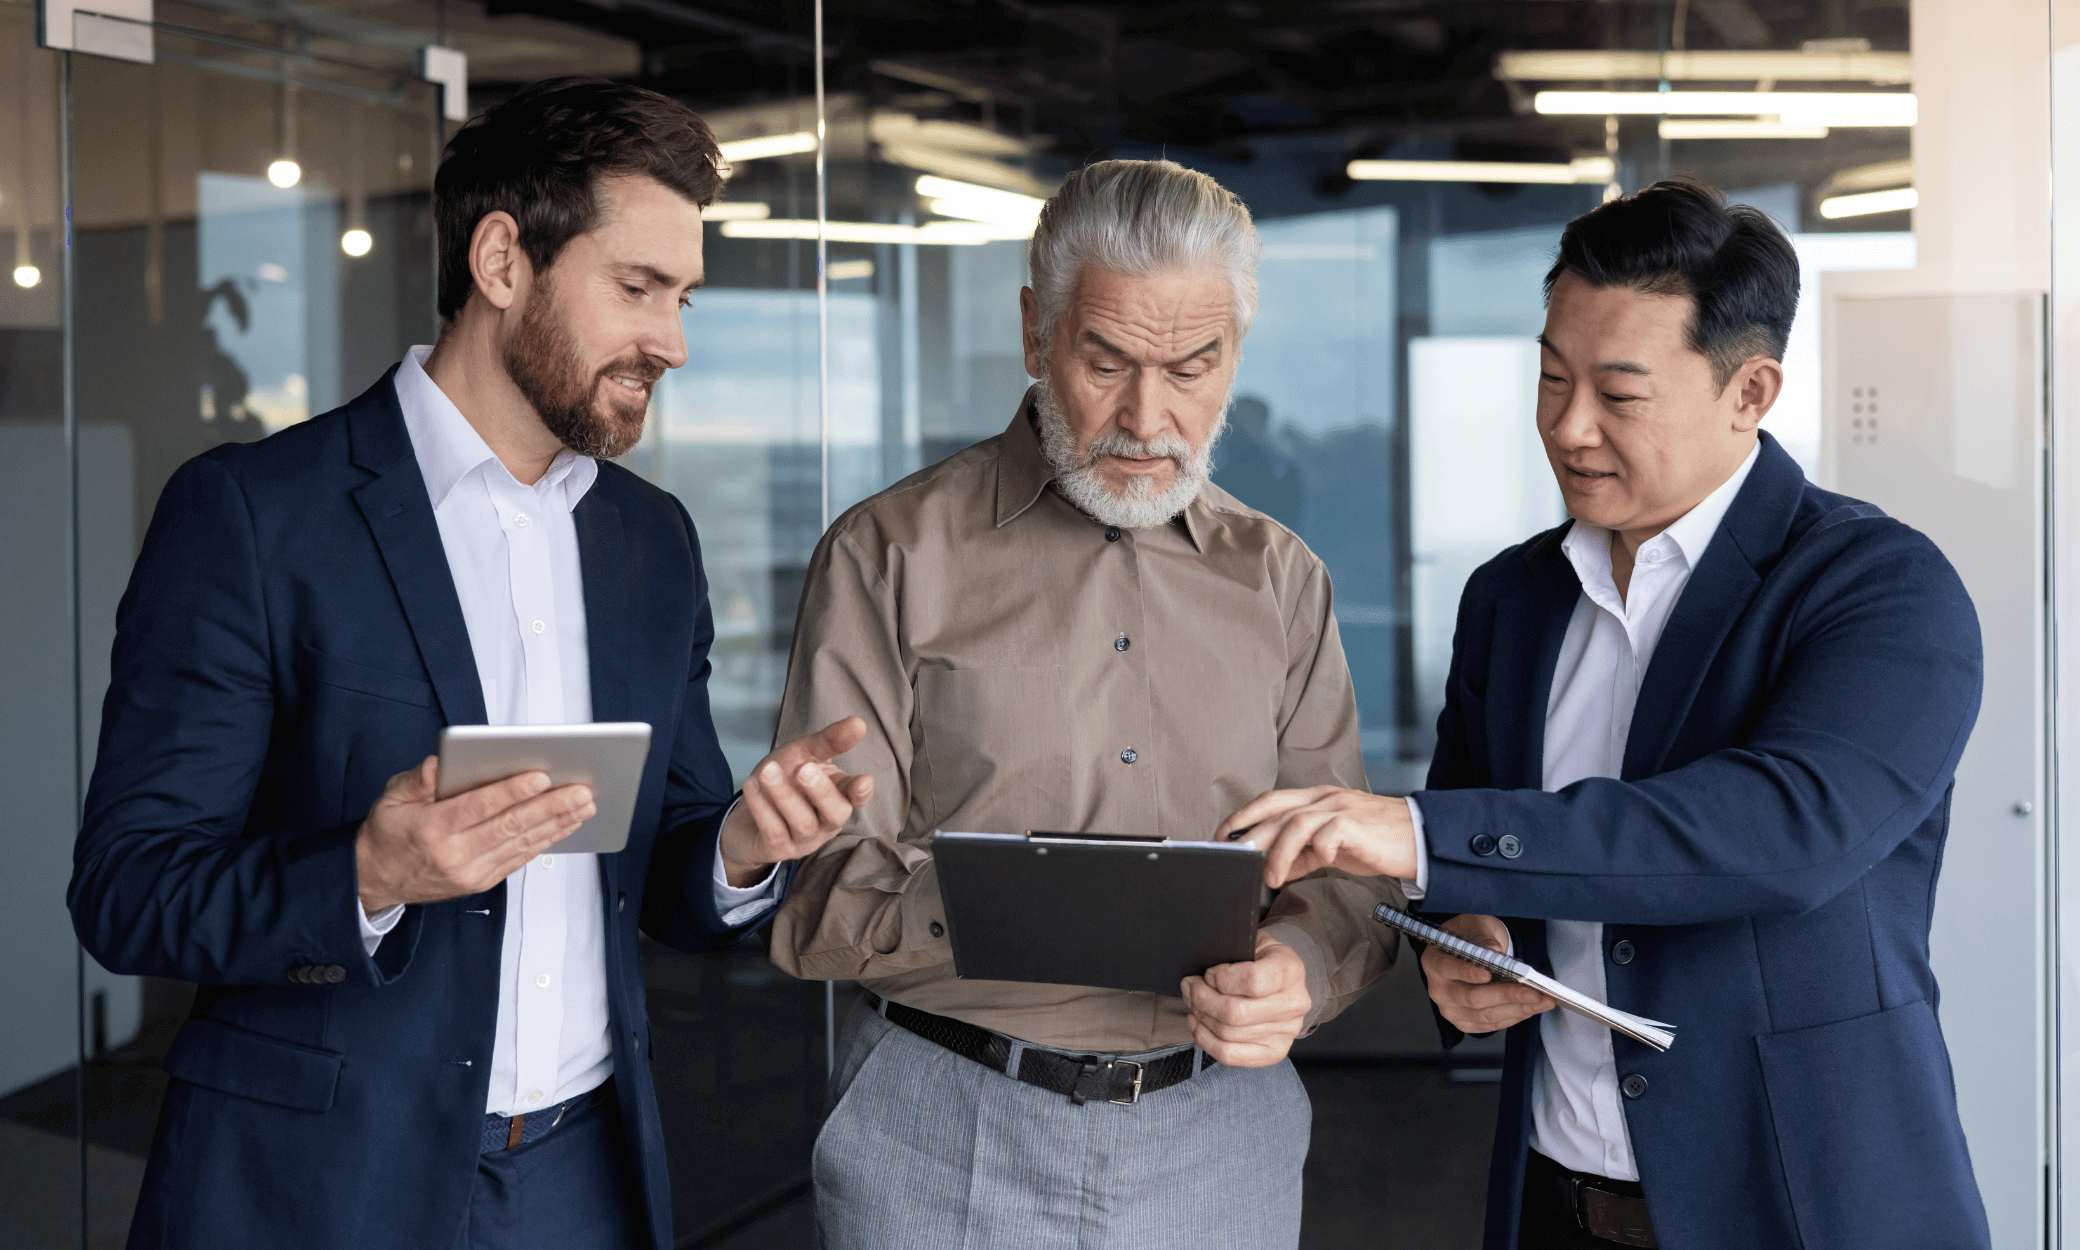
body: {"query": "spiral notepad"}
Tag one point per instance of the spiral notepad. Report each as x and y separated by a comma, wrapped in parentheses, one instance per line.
(1648, 1032)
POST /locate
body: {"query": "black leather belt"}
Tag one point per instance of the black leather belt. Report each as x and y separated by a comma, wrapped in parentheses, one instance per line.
(1081, 1077)
(1615, 1211)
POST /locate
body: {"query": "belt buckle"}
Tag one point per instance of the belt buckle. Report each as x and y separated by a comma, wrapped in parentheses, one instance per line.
(1135, 1096)
(1577, 1205)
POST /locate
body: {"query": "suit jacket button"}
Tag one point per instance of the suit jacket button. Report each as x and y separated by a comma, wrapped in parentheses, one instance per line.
(334, 974)
(621, 902)
(1508, 846)
(1635, 1086)
(1481, 844)
(296, 974)
(1622, 953)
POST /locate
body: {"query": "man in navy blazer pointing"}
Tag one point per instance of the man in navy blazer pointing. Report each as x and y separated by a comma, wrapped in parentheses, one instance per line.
(1695, 761)
(417, 1023)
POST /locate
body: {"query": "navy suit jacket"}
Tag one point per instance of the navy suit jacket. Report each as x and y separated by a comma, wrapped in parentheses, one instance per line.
(1770, 853)
(291, 638)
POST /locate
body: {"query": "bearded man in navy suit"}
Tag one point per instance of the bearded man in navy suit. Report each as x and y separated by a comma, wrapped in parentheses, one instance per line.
(1695, 761)
(417, 1023)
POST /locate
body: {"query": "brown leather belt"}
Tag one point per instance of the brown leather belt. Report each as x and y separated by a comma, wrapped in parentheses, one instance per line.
(1615, 1211)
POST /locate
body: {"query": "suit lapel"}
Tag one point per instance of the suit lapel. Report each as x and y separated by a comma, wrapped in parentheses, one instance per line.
(603, 564)
(1529, 629)
(1749, 540)
(400, 517)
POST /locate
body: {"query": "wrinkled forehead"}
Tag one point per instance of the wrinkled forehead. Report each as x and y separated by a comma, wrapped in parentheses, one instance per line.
(1159, 317)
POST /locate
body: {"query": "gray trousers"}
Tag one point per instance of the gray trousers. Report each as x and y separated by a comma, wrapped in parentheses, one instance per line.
(925, 1150)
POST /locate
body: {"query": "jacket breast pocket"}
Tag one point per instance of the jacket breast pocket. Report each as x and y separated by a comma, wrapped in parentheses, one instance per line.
(1866, 1120)
(995, 748)
(341, 674)
(237, 1061)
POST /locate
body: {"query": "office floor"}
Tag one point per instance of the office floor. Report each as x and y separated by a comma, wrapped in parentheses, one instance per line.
(1399, 1156)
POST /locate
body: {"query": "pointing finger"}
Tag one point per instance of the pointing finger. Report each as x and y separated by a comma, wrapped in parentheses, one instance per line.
(833, 740)
(1263, 807)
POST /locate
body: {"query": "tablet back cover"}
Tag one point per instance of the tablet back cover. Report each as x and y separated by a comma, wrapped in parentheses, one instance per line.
(1119, 915)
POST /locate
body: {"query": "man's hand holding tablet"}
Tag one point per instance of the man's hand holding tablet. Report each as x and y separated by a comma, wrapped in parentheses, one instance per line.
(414, 848)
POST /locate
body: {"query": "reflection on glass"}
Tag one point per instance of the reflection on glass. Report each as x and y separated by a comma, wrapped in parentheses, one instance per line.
(39, 1026)
(251, 258)
(734, 434)
(1311, 436)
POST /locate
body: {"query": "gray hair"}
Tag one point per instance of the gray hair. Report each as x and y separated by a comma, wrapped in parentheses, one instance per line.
(1141, 218)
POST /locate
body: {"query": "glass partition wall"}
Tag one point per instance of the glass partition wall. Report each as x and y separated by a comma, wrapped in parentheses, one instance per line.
(1382, 411)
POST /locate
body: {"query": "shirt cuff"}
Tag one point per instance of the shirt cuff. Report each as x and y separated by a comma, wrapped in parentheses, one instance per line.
(374, 927)
(1420, 886)
(737, 905)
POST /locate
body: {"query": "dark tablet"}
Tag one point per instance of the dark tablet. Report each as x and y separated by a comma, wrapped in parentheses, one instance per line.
(1109, 910)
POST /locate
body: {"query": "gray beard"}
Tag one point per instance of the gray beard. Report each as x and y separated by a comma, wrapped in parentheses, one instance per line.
(1140, 506)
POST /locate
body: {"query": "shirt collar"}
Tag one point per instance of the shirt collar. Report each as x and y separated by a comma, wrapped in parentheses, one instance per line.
(449, 448)
(1023, 474)
(1588, 547)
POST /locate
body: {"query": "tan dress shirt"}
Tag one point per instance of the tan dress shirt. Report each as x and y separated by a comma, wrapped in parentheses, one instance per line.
(1021, 666)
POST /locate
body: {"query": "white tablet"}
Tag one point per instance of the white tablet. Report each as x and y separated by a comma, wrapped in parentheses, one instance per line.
(608, 757)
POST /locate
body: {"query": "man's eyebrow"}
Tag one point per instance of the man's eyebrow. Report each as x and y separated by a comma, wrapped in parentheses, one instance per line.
(1213, 345)
(660, 277)
(1632, 367)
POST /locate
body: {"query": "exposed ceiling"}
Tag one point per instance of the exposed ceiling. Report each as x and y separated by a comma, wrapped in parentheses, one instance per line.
(1302, 85)
(1193, 73)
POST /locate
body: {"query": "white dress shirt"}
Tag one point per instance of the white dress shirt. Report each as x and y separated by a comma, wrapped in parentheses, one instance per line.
(1577, 1112)
(513, 553)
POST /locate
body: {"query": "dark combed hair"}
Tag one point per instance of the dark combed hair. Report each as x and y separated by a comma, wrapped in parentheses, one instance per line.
(540, 156)
(1681, 237)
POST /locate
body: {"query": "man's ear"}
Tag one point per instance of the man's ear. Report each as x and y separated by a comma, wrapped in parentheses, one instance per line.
(1755, 388)
(1029, 318)
(498, 265)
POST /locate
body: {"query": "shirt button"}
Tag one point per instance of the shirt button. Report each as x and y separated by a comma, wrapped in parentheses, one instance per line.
(547, 861)
(542, 979)
(938, 930)
(1481, 844)
(534, 1095)
(1122, 642)
(1508, 846)
(1622, 953)
(538, 627)
(1128, 756)
(1112, 533)
(520, 520)
(1635, 1086)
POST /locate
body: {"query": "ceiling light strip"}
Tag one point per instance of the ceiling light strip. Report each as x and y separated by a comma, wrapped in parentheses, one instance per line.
(1736, 128)
(737, 151)
(1868, 202)
(954, 233)
(1581, 170)
(1724, 66)
(1793, 108)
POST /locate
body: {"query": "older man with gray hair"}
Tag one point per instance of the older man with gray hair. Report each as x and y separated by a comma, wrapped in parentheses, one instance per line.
(1068, 626)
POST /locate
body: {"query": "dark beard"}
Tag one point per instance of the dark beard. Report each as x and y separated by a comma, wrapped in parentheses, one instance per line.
(542, 360)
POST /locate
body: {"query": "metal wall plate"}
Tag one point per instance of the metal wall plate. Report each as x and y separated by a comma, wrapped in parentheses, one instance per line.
(121, 29)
